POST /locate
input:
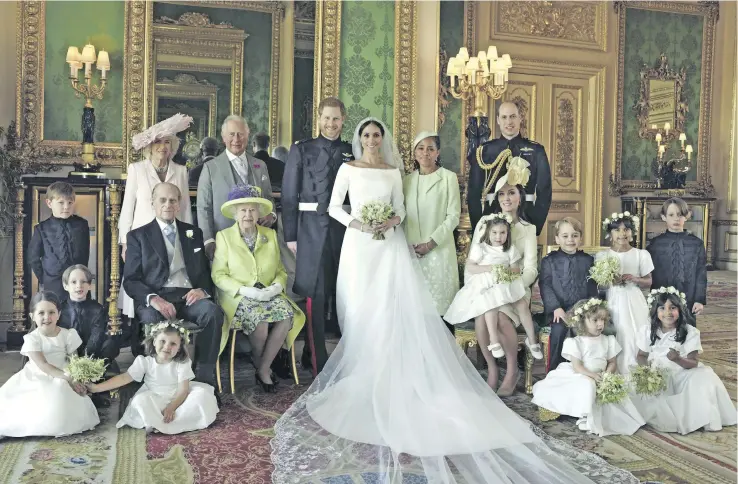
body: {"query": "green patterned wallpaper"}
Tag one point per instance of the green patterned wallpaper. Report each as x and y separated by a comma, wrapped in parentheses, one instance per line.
(302, 99)
(367, 62)
(257, 55)
(452, 38)
(79, 23)
(648, 34)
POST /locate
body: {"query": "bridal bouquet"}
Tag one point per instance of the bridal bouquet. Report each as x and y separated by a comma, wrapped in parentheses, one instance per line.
(84, 369)
(375, 213)
(502, 274)
(605, 271)
(648, 380)
(611, 389)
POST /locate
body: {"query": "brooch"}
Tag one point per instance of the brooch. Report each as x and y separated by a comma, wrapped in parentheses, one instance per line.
(263, 239)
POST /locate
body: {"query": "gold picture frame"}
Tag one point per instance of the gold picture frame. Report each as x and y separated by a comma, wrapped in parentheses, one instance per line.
(136, 72)
(29, 92)
(327, 63)
(710, 11)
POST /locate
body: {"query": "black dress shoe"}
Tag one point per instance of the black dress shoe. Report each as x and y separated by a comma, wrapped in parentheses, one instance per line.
(282, 365)
(267, 387)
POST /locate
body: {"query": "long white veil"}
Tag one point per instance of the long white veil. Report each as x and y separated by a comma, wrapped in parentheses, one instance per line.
(389, 148)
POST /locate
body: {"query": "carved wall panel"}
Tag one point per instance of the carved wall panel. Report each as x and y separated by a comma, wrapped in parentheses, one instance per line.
(568, 24)
(565, 155)
(327, 53)
(565, 206)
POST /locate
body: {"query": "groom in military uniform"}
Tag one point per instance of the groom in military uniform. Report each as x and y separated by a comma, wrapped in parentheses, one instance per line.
(486, 169)
(309, 231)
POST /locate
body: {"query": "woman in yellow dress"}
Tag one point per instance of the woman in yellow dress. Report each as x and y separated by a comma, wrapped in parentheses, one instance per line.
(251, 281)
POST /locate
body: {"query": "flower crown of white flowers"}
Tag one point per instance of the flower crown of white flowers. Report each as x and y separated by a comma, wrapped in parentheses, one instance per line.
(500, 215)
(614, 217)
(666, 290)
(579, 312)
(161, 326)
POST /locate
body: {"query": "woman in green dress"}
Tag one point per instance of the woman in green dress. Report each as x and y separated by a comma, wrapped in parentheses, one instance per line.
(433, 206)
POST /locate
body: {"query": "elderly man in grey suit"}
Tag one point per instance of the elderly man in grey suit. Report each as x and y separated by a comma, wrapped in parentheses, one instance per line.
(219, 175)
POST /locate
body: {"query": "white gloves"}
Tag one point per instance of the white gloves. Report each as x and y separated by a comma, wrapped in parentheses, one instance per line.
(265, 294)
(274, 290)
(253, 293)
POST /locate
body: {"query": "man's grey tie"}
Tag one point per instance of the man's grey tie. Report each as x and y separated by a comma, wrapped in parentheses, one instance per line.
(169, 232)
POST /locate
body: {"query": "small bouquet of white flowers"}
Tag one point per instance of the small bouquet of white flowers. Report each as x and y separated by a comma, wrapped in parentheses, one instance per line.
(611, 389)
(648, 380)
(84, 369)
(376, 213)
(502, 274)
(605, 271)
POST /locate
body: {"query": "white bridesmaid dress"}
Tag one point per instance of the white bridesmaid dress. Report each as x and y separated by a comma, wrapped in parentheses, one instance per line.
(694, 399)
(627, 304)
(33, 403)
(161, 381)
(567, 392)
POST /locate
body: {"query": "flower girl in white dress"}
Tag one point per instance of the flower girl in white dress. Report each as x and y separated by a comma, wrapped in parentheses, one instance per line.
(570, 389)
(53, 404)
(625, 297)
(487, 287)
(695, 397)
(167, 401)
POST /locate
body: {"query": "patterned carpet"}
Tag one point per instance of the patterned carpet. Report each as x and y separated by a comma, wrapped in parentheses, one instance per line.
(236, 448)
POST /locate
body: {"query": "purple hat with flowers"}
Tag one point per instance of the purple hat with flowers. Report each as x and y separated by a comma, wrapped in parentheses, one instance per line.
(241, 194)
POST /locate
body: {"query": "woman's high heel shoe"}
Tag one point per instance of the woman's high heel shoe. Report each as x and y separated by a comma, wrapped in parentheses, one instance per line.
(267, 387)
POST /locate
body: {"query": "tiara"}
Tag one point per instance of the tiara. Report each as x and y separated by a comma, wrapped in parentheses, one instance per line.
(620, 216)
(579, 312)
(666, 290)
(176, 324)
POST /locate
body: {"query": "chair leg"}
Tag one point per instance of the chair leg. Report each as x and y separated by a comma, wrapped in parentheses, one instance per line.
(311, 341)
(294, 365)
(528, 371)
(233, 357)
(217, 375)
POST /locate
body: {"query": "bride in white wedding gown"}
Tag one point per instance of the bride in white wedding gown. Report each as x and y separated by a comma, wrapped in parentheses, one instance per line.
(398, 401)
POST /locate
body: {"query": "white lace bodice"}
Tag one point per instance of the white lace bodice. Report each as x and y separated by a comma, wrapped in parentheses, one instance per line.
(365, 185)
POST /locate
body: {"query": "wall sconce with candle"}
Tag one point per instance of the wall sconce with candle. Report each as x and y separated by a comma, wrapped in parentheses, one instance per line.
(671, 172)
(90, 91)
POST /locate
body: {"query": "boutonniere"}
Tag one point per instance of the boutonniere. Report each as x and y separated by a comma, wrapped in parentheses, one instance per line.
(256, 165)
(190, 234)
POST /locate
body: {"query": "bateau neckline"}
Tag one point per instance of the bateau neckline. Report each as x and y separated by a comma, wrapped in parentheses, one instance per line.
(616, 252)
(367, 168)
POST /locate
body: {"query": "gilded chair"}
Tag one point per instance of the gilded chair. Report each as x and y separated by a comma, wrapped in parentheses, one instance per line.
(231, 367)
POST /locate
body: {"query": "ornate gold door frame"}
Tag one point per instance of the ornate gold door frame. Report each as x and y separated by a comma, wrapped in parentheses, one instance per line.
(327, 53)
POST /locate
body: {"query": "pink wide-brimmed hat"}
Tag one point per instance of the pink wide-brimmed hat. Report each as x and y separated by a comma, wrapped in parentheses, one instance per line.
(168, 127)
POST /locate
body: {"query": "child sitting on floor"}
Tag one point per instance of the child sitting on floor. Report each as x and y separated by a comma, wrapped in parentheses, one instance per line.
(167, 401)
(695, 397)
(571, 388)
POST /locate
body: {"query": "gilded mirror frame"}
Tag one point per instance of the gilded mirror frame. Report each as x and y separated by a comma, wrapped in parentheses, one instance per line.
(642, 108)
(206, 49)
(710, 11)
(138, 66)
(29, 92)
(198, 92)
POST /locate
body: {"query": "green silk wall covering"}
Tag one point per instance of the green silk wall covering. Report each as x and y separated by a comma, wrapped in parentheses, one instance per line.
(452, 38)
(648, 34)
(367, 61)
(302, 99)
(76, 24)
(257, 56)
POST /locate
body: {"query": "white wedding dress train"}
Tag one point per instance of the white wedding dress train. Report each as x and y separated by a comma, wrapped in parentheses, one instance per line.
(398, 401)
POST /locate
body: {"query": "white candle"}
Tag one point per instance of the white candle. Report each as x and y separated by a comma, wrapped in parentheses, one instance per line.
(658, 137)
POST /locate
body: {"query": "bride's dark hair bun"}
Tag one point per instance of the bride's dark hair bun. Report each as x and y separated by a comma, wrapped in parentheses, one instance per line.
(375, 123)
